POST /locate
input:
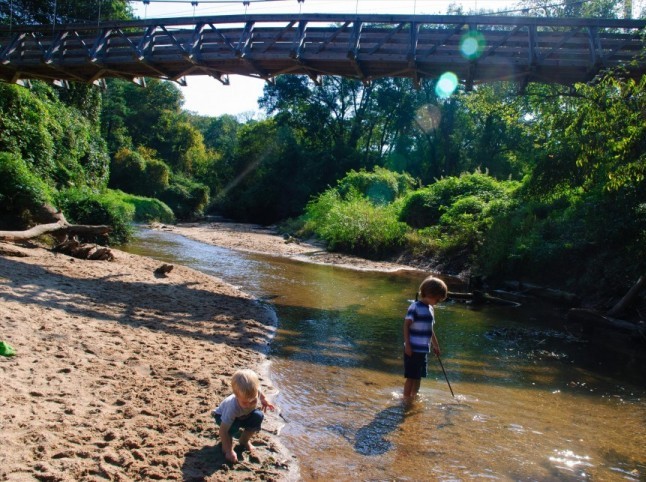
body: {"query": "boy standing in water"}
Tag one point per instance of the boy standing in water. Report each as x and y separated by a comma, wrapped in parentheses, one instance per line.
(419, 336)
(239, 411)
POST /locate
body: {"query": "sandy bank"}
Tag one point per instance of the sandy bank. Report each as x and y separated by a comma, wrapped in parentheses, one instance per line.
(117, 370)
(258, 239)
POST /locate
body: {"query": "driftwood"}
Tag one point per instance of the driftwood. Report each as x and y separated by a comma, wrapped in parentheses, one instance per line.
(76, 249)
(592, 318)
(481, 297)
(629, 298)
(560, 297)
(596, 318)
(53, 222)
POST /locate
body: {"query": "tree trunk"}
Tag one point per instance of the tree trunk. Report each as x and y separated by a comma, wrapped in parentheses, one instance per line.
(54, 223)
(629, 298)
(594, 318)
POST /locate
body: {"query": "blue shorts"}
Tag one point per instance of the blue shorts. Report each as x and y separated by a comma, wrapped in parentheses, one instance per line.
(415, 365)
(251, 422)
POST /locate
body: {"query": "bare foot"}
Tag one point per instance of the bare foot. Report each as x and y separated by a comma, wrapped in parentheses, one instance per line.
(248, 447)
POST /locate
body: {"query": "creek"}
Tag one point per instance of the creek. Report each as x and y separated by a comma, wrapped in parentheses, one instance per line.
(533, 401)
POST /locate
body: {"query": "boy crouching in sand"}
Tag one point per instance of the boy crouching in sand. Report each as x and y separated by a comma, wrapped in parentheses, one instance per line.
(238, 411)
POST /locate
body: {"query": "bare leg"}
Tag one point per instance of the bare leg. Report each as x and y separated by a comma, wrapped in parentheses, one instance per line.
(245, 438)
(411, 387)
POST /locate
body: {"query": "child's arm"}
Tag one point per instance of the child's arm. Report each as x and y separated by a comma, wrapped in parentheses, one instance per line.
(265, 404)
(435, 345)
(227, 443)
(407, 348)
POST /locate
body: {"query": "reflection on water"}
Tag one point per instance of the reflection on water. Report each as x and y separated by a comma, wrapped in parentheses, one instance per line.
(533, 401)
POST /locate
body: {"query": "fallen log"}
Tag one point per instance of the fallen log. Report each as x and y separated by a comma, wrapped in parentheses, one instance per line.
(560, 297)
(53, 222)
(596, 318)
(58, 229)
(74, 248)
(629, 298)
(481, 297)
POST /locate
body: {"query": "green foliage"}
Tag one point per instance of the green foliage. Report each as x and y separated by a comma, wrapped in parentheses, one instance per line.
(425, 207)
(22, 192)
(178, 143)
(133, 117)
(83, 206)
(70, 11)
(587, 238)
(352, 223)
(147, 209)
(56, 141)
(137, 172)
(380, 186)
(187, 199)
(267, 180)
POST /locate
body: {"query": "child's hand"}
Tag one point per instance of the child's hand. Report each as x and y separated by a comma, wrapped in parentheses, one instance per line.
(436, 350)
(231, 456)
(266, 405)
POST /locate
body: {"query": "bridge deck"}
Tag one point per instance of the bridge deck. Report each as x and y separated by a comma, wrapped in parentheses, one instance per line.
(365, 47)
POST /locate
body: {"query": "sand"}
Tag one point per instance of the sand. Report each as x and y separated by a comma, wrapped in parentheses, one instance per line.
(117, 368)
(259, 239)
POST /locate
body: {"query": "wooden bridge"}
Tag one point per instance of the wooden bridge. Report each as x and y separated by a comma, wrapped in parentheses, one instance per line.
(476, 49)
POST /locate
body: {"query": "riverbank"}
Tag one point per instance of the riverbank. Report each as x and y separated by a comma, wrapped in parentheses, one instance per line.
(117, 369)
(258, 239)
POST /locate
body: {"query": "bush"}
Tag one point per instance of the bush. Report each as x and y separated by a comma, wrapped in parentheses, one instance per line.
(148, 209)
(425, 206)
(136, 172)
(454, 215)
(186, 198)
(55, 140)
(82, 206)
(354, 224)
(22, 192)
(380, 186)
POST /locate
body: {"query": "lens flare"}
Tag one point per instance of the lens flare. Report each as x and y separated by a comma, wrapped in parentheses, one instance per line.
(446, 85)
(428, 117)
(472, 44)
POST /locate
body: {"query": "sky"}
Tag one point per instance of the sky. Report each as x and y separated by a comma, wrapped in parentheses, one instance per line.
(207, 96)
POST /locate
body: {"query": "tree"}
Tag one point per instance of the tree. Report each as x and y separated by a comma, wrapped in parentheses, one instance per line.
(47, 12)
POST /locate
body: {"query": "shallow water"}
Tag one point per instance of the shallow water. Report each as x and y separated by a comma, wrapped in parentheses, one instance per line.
(532, 401)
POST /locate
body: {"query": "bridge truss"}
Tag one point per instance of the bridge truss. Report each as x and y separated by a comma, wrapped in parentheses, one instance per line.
(476, 49)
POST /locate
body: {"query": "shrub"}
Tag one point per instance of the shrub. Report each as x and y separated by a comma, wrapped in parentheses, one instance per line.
(186, 198)
(55, 140)
(454, 215)
(147, 209)
(137, 172)
(425, 206)
(83, 206)
(22, 192)
(354, 224)
(380, 186)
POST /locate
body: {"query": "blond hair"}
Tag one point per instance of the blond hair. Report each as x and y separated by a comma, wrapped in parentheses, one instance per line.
(246, 383)
(435, 287)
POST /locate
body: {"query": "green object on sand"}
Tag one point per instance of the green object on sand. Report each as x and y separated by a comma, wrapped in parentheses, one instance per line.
(6, 349)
